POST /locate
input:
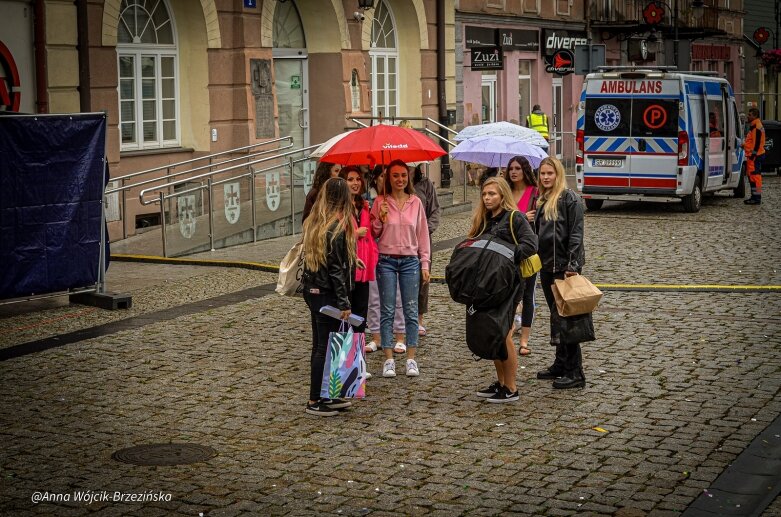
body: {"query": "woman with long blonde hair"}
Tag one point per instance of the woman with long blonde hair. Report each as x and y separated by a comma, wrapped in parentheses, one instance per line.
(559, 223)
(329, 270)
(493, 216)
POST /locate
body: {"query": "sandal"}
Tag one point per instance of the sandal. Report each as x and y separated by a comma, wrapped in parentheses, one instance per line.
(524, 350)
(400, 348)
(371, 347)
(421, 330)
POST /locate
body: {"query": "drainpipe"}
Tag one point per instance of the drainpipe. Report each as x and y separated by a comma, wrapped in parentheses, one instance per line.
(441, 90)
(41, 83)
(83, 46)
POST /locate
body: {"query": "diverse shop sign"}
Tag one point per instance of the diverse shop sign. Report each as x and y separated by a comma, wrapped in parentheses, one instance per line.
(487, 58)
(508, 39)
(557, 49)
(562, 62)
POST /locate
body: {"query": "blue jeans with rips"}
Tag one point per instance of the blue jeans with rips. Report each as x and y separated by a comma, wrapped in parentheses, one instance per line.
(404, 272)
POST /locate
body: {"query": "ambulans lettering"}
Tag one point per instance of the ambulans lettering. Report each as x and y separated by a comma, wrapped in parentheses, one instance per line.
(631, 87)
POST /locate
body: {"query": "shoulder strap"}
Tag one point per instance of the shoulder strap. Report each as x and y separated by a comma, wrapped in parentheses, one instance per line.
(512, 230)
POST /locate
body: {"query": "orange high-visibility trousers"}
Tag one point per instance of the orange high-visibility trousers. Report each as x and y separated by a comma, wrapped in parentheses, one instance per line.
(754, 172)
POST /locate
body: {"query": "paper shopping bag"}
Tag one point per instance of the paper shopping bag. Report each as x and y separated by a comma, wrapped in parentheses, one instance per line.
(344, 373)
(575, 295)
(291, 270)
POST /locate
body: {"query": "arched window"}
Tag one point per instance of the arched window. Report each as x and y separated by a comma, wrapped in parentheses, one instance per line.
(384, 62)
(148, 100)
(288, 30)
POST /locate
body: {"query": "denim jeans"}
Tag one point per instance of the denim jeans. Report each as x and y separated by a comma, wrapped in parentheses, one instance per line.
(404, 272)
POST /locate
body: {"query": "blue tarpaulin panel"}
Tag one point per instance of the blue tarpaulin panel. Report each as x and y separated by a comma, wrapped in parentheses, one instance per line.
(51, 191)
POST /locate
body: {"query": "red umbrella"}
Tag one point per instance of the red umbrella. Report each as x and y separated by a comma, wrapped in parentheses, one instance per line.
(381, 144)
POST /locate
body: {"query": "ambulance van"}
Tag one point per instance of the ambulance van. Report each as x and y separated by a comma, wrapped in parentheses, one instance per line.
(655, 134)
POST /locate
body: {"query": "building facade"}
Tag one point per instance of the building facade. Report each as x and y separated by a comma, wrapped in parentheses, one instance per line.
(181, 79)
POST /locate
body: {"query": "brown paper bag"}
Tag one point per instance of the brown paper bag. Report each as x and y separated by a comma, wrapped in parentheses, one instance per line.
(575, 295)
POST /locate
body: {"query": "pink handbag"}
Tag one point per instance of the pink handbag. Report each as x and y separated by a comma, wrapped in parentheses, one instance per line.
(366, 250)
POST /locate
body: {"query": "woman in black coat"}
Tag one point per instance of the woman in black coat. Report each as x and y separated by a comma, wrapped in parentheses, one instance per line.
(559, 226)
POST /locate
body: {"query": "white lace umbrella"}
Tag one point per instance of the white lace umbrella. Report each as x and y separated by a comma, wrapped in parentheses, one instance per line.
(328, 144)
(496, 151)
(524, 134)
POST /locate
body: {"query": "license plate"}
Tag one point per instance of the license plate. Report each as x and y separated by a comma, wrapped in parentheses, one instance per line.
(603, 162)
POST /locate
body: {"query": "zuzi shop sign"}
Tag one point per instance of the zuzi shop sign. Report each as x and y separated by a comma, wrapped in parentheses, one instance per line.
(487, 58)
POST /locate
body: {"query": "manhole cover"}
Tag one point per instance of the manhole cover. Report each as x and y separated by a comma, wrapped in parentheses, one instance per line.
(159, 454)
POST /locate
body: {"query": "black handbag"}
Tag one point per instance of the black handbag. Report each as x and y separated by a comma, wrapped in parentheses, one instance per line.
(576, 329)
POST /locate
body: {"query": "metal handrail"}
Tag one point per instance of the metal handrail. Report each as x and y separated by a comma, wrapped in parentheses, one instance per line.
(212, 173)
(442, 138)
(358, 122)
(208, 156)
(190, 171)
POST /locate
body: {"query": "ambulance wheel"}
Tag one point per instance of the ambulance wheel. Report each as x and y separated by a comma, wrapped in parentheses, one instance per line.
(693, 202)
(740, 191)
(594, 204)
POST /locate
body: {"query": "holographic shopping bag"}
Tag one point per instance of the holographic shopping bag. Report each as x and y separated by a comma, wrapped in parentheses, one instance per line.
(344, 374)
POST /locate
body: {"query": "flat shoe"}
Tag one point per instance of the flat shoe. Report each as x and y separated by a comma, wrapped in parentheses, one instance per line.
(400, 348)
(371, 347)
(421, 330)
(524, 350)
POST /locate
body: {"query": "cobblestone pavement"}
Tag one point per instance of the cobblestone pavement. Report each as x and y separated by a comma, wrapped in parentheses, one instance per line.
(678, 385)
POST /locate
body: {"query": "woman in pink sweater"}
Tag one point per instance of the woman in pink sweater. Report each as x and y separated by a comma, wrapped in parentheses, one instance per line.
(399, 222)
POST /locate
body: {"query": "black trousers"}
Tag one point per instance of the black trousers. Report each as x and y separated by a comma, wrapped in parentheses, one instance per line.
(359, 301)
(322, 326)
(569, 358)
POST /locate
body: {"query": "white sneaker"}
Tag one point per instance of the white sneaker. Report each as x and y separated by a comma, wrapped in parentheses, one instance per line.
(412, 368)
(389, 368)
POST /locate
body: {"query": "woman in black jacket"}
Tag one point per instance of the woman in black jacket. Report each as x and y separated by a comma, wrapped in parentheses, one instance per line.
(329, 270)
(493, 216)
(559, 226)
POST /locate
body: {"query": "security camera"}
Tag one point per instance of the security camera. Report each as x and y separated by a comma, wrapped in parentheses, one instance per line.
(359, 16)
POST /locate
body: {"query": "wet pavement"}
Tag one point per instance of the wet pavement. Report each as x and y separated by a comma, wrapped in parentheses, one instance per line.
(681, 385)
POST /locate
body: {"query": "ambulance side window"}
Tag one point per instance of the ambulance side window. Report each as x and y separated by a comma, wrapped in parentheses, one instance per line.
(608, 117)
(715, 118)
(655, 117)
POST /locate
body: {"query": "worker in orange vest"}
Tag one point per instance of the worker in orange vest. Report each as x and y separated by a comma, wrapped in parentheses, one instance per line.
(754, 145)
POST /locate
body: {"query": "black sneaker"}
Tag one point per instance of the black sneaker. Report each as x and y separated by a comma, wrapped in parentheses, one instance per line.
(490, 391)
(549, 374)
(336, 403)
(503, 395)
(320, 409)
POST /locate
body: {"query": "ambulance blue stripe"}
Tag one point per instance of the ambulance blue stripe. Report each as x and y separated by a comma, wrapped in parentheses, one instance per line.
(599, 142)
(664, 146)
(615, 145)
(713, 88)
(694, 87)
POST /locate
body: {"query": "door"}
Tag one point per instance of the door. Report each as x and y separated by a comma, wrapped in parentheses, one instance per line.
(557, 117)
(488, 102)
(717, 148)
(654, 143)
(291, 82)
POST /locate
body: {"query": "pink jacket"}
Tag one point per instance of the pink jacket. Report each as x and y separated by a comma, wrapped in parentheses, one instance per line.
(405, 232)
(366, 248)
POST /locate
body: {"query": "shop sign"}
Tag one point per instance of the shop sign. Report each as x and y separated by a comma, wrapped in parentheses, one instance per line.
(560, 63)
(487, 58)
(508, 39)
(711, 52)
(553, 40)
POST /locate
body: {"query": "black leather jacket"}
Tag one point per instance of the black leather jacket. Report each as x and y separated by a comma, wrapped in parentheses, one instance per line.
(561, 241)
(336, 276)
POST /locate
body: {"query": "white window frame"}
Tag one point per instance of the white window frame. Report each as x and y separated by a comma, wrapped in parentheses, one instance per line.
(569, 7)
(489, 80)
(137, 51)
(525, 77)
(536, 10)
(383, 54)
